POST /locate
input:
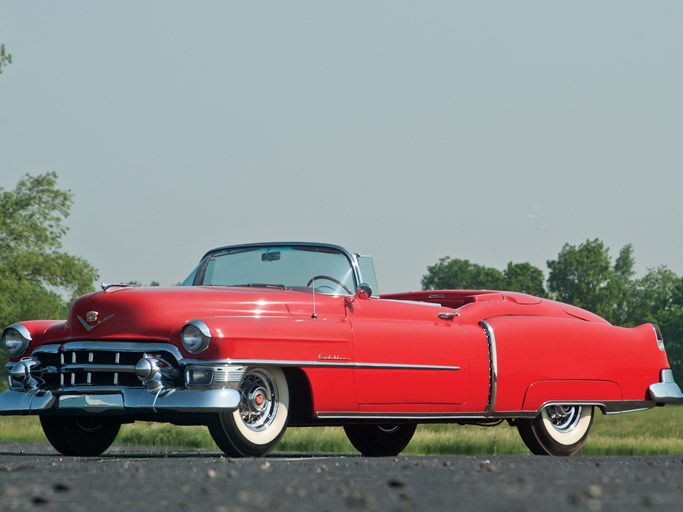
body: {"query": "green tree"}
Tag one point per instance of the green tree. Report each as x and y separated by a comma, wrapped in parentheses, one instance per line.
(524, 277)
(658, 298)
(37, 279)
(5, 58)
(658, 290)
(456, 274)
(584, 276)
(620, 291)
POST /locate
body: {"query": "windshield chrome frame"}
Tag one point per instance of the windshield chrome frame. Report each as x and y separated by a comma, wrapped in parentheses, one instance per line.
(353, 259)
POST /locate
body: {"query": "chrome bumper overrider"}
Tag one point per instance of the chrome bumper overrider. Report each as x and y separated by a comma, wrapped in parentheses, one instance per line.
(666, 391)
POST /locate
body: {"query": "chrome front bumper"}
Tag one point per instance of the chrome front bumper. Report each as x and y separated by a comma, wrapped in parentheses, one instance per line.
(121, 401)
(666, 391)
(118, 378)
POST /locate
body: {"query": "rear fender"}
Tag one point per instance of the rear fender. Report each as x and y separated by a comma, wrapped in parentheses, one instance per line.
(570, 391)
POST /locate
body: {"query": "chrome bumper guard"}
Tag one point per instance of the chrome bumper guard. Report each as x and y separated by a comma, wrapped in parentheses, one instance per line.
(666, 391)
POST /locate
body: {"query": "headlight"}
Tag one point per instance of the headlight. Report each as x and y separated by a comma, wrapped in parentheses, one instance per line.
(196, 337)
(15, 339)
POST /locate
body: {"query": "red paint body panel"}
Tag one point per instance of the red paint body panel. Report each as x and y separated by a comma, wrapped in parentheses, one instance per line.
(535, 349)
(393, 354)
(569, 391)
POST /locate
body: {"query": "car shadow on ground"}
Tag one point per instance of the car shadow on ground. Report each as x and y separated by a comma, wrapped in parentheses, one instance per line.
(156, 452)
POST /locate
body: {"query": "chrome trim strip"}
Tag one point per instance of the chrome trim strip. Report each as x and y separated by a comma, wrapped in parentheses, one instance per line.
(109, 346)
(493, 362)
(397, 416)
(628, 406)
(117, 346)
(353, 260)
(601, 405)
(609, 407)
(323, 364)
(422, 416)
(203, 328)
(95, 368)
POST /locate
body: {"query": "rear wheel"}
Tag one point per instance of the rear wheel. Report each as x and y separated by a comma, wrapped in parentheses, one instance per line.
(380, 440)
(558, 430)
(260, 420)
(80, 435)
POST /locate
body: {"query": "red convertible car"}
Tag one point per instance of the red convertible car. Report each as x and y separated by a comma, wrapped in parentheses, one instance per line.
(269, 335)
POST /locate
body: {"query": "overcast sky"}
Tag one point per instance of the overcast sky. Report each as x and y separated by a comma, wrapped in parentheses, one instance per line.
(491, 131)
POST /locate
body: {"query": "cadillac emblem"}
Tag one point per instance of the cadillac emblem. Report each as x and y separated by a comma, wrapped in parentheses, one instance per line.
(92, 320)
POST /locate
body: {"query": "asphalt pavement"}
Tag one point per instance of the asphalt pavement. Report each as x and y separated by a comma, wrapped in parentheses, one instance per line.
(35, 477)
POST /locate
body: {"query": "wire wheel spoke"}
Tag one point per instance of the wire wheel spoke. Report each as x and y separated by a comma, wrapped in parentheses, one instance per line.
(259, 400)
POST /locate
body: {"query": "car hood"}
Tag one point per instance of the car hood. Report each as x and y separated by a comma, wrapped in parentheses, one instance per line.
(154, 313)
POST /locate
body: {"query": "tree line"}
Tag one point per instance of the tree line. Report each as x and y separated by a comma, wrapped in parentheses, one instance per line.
(586, 276)
(38, 280)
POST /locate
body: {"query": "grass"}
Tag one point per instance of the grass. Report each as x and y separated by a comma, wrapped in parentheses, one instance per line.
(655, 432)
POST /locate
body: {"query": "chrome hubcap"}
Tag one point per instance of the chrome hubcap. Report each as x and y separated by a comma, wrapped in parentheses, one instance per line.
(259, 400)
(564, 418)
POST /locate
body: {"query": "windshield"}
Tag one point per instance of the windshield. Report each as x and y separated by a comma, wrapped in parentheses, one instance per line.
(288, 267)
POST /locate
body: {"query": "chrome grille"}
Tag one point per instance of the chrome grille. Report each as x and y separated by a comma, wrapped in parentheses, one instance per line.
(97, 364)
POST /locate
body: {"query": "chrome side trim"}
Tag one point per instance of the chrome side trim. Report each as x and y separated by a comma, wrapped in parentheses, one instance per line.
(617, 407)
(323, 364)
(627, 406)
(395, 416)
(607, 407)
(493, 363)
(117, 346)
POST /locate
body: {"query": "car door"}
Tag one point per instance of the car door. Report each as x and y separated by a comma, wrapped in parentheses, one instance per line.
(408, 354)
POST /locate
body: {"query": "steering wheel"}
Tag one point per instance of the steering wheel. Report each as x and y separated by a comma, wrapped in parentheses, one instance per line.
(334, 280)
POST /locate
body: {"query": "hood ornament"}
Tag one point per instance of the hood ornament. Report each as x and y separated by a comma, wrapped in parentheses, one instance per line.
(106, 286)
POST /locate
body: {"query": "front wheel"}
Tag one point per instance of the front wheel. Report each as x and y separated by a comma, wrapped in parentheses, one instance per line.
(380, 440)
(80, 436)
(558, 430)
(260, 420)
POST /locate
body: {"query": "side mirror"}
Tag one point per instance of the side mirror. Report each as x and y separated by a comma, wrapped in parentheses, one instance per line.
(364, 291)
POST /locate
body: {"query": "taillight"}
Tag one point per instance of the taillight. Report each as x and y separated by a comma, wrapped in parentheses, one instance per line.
(660, 338)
